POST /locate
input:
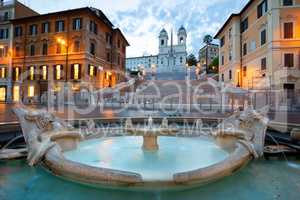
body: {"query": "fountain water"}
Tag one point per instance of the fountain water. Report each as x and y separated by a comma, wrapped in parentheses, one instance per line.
(151, 132)
(120, 161)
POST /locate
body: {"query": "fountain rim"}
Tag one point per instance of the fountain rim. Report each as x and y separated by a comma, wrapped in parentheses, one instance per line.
(102, 177)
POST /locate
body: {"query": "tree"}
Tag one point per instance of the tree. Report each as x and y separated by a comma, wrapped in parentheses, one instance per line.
(207, 40)
(191, 60)
(214, 66)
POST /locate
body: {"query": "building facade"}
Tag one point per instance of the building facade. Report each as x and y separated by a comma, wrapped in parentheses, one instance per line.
(171, 57)
(207, 54)
(260, 46)
(79, 46)
(8, 10)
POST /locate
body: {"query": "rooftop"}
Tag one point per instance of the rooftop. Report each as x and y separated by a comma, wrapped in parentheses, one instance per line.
(234, 15)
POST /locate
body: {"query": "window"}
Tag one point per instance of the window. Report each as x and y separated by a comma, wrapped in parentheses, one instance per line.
(58, 72)
(244, 25)
(118, 59)
(162, 42)
(18, 50)
(18, 31)
(44, 72)
(230, 55)
(252, 45)
(222, 78)
(92, 71)
(287, 3)
(4, 34)
(181, 60)
(76, 71)
(6, 16)
(230, 33)
(93, 27)
(46, 27)
(2, 72)
(222, 59)
(263, 37)
(222, 41)
(76, 46)
(58, 49)
(244, 49)
(108, 57)
(181, 40)
(45, 49)
(31, 91)
(16, 93)
(245, 71)
(77, 24)
(92, 48)
(119, 43)
(3, 51)
(263, 65)
(33, 30)
(60, 26)
(289, 60)
(2, 94)
(262, 8)
(32, 50)
(16, 74)
(230, 75)
(31, 73)
(288, 30)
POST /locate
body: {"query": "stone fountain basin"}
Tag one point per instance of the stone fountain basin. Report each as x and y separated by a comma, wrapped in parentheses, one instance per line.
(57, 162)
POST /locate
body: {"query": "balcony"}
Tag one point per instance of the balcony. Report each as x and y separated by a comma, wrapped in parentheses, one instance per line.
(4, 18)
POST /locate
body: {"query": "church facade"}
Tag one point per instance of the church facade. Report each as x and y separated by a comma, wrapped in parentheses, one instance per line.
(171, 57)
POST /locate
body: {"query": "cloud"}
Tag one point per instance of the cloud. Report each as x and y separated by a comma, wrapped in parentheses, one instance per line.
(142, 20)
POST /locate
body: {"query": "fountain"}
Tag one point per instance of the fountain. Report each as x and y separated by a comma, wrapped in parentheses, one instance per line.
(150, 133)
(164, 160)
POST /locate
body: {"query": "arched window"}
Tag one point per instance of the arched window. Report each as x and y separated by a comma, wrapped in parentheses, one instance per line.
(162, 42)
(181, 40)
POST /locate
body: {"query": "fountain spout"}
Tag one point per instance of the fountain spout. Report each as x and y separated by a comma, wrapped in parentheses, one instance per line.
(150, 133)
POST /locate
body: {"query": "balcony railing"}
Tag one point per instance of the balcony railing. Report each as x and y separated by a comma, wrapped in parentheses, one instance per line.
(4, 18)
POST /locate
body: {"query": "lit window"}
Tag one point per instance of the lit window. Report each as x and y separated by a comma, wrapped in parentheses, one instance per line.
(76, 71)
(31, 91)
(3, 72)
(92, 71)
(16, 93)
(44, 72)
(16, 73)
(31, 73)
(58, 72)
(2, 94)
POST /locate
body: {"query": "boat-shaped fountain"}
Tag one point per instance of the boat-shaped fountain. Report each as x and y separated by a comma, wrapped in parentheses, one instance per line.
(148, 157)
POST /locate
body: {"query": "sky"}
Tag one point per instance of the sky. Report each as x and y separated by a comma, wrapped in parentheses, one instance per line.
(142, 20)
